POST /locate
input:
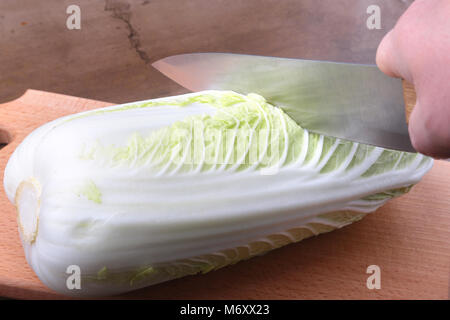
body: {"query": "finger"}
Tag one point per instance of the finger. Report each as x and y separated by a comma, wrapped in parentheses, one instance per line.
(386, 58)
(423, 135)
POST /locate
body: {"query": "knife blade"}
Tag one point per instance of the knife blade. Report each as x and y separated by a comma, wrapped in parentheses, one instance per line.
(350, 101)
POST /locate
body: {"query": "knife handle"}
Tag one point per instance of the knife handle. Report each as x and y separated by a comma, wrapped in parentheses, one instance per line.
(409, 95)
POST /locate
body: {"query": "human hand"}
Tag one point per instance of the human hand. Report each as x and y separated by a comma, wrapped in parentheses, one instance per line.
(417, 49)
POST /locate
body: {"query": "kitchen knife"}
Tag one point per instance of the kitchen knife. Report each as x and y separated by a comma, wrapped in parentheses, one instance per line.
(350, 101)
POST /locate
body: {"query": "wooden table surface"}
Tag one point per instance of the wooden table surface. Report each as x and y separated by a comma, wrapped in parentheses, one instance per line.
(408, 238)
(109, 58)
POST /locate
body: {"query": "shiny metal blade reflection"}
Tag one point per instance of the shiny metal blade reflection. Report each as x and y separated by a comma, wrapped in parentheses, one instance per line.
(349, 101)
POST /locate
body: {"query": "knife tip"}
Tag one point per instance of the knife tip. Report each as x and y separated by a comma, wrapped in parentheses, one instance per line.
(157, 64)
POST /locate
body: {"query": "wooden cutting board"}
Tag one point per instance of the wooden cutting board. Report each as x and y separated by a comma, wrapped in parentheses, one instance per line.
(408, 238)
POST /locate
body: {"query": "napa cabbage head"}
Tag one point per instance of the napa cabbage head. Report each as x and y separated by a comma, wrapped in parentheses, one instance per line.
(141, 193)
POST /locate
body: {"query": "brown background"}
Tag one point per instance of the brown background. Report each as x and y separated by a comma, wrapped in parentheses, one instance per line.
(109, 58)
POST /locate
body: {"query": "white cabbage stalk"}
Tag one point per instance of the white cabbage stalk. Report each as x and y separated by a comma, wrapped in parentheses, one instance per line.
(142, 193)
